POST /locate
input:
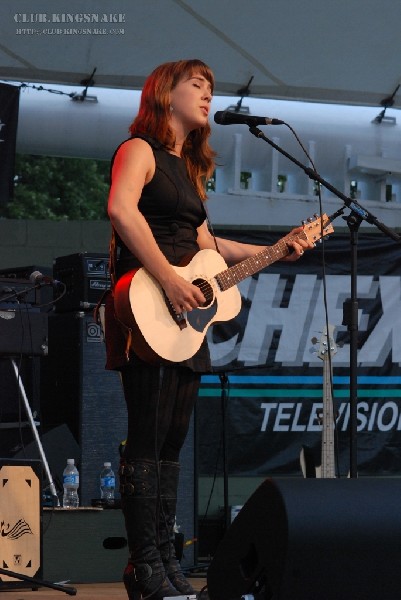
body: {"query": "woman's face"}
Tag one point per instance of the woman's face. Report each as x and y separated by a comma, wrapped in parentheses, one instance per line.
(190, 102)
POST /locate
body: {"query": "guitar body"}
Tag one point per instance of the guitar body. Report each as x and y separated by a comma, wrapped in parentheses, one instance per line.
(142, 306)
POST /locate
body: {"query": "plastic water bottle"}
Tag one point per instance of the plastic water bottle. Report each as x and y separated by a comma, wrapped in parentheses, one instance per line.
(107, 483)
(70, 484)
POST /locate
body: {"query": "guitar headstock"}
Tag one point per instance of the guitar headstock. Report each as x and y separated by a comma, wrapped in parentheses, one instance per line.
(317, 228)
(326, 342)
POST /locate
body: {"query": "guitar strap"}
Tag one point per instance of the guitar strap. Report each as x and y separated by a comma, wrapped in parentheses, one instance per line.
(113, 258)
(98, 312)
(210, 226)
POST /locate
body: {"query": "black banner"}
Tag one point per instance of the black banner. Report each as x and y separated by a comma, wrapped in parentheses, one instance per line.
(9, 105)
(270, 357)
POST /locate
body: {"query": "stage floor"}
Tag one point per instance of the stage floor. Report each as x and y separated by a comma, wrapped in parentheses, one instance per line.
(87, 591)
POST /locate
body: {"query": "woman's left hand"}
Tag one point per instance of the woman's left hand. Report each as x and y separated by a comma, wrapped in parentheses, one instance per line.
(298, 245)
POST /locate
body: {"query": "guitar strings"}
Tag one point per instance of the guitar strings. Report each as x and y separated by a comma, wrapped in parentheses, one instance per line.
(232, 275)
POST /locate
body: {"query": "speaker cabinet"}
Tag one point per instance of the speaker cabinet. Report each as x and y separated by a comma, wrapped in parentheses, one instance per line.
(20, 521)
(308, 539)
(78, 392)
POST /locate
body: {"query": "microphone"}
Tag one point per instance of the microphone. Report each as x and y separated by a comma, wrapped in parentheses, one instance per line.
(226, 117)
(37, 278)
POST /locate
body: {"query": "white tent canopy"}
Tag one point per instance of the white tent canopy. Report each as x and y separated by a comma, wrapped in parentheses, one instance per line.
(341, 51)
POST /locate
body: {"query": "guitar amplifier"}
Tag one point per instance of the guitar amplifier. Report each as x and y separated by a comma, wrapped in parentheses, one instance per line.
(86, 277)
(23, 331)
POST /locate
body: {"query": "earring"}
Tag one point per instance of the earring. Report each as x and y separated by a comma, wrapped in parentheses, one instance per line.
(171, 108)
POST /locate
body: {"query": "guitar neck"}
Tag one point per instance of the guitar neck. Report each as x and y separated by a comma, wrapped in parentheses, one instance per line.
(312, 231)
(256, 263)
(328, 465)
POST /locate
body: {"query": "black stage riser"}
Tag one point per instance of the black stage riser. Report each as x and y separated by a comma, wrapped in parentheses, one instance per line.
(309, 539)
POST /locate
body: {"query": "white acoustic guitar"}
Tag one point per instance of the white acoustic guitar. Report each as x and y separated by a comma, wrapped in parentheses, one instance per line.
(157, 331)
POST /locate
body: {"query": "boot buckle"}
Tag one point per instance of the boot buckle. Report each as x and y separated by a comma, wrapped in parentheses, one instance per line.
(127, 489)
(141, 572)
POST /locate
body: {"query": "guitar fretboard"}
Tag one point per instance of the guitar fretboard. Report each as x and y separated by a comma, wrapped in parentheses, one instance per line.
(256, 263)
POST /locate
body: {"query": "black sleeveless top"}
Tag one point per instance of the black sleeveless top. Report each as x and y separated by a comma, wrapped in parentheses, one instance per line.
(174, 211)
(172, 208)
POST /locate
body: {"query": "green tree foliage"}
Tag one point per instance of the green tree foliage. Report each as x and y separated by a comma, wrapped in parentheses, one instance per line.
(54, 188)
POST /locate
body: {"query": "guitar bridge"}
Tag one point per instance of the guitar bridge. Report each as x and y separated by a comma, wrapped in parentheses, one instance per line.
(180, 320)
(177, 317)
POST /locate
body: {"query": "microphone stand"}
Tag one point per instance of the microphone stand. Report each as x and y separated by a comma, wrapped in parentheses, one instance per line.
(350, 310)
(36, 583)
(223, 399)
(18, 295)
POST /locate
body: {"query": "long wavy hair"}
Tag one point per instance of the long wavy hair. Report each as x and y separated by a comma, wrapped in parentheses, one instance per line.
(153, 118)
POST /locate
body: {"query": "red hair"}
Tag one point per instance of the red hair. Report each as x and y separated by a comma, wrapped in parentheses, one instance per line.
(153, 118)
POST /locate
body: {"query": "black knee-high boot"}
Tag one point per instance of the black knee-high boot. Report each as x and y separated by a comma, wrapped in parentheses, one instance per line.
(169, 474)
(145, 575)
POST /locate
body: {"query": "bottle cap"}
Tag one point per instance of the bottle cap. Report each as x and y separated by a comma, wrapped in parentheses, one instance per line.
(70, 461)
(107, 464)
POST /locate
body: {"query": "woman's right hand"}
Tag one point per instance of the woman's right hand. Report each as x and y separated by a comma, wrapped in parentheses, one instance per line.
(183, 295)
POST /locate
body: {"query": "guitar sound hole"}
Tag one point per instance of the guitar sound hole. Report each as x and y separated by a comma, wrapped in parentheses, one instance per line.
(206, 290)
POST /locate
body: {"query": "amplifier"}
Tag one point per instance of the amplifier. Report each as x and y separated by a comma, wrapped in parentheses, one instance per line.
(86, 277)
(23, 331)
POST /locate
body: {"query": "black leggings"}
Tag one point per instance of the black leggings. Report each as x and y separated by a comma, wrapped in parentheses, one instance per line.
(159, 401)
